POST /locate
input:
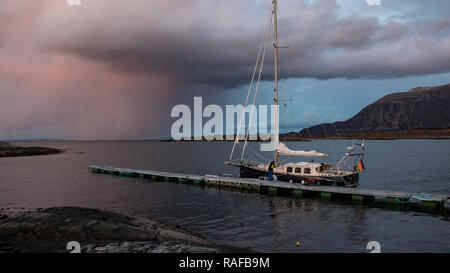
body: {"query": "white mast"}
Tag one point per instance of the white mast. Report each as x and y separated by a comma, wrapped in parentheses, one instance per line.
(275, 99)
(279, 148)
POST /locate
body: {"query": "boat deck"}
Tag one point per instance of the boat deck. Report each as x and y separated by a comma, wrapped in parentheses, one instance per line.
(429, 202)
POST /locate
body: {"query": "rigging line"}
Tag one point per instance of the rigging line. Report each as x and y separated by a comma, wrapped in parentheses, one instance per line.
(284, 32)
(303, 232)
(258, 154)
(308, 141)
(296, 60)
(312, 139)
(287, 159)
(309, 144)
(251, 82)
(337, 131)
(339, 135)
(251, 153)
(301, 74)
(329, 142)
(257, 86)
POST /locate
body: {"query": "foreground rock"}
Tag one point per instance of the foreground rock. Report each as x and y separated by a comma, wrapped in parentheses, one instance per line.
(50, 230)
(9, 150)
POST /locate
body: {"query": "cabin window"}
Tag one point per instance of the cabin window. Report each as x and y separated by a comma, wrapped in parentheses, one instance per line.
(289, 169)
(307, 170)
(298, 170)
(321, 168)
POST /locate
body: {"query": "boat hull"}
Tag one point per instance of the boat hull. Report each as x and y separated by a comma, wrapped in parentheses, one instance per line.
(351, 180)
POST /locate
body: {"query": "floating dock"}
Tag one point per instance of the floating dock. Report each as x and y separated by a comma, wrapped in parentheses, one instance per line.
(393, 199)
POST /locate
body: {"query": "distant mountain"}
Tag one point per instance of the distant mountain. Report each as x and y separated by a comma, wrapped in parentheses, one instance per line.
(420, 109)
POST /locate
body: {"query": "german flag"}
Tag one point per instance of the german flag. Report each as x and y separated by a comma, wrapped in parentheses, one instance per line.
(360, 166)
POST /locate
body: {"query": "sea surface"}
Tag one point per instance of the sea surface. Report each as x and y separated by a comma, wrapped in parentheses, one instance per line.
(249, 220)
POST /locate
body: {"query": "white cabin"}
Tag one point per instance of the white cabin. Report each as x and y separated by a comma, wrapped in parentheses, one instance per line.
(302, 168)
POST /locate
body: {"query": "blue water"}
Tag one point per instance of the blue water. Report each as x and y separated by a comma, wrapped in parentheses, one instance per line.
(251, 220)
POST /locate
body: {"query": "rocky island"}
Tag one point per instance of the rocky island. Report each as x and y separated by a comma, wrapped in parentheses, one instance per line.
(50, 230)
(9, 150)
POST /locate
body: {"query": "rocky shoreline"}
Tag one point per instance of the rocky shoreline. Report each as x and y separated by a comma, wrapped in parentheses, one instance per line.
(96, 231)
(408, 134)
(375, 135)
(9, 150)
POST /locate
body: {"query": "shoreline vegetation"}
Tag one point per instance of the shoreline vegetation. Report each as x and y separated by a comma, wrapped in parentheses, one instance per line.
(374, 135)
(97, 231)
(9, 150)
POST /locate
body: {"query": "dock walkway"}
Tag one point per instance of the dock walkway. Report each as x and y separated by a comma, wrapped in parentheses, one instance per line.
(429, 202)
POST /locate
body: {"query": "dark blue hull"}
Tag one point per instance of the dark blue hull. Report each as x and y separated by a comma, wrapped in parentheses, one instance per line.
(246, 171)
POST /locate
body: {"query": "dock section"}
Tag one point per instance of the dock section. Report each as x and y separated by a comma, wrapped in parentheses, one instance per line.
(427, 202)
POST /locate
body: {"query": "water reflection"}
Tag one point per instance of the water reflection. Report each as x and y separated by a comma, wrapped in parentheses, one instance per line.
(245, 219)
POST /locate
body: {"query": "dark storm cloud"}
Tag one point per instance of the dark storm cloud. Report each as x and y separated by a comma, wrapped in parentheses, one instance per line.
(216, 42)
(114, 69)
(186, 60)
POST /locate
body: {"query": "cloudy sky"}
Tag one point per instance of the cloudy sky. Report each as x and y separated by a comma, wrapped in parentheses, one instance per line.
(113, 69)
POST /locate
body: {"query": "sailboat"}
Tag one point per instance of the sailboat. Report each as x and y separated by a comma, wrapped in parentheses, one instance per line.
(346, 171)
